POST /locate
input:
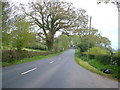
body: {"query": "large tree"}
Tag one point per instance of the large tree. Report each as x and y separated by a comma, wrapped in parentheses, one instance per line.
(51, 17)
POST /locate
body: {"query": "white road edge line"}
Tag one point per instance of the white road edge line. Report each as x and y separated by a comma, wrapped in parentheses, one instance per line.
(51, 61)
(28, 71)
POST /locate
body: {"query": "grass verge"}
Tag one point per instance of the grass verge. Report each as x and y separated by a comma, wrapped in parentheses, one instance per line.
(114, 69)
(87, 66)
(27, 49)
(35, 58)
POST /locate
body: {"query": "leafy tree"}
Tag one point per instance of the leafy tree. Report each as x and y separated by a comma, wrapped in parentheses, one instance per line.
(52, 17)
(87, 37)
(92, 38)
(97, 51)
(8, 13)
(38, 44)
(62, 42)
(75, 40)
(5, 24)
(104, 42)
(21, 35)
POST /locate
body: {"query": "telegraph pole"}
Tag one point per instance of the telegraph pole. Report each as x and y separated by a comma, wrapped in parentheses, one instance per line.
(88, 39)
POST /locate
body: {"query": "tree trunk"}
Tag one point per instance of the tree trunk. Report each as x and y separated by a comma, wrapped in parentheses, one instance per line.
(50, 45)
(50, 41)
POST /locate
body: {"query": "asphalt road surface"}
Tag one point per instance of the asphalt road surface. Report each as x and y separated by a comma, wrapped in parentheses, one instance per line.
(56, 72)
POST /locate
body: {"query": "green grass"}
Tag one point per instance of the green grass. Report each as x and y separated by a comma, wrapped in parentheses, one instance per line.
(27, 49)
(98, 65)
(89, 67)
(0, 64)
(35, 58)
(114, 69)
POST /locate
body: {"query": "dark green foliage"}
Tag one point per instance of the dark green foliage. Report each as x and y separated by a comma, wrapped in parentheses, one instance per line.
(78, 52)
(116, 60)
(115, 71)
(108, 60)
(84, 58)
(61, 43)
(83, 46)
(102, 62)
(100, 66)
(91, 56)
(11, 55)
(38, 47)
(104, 59)
(97, 51)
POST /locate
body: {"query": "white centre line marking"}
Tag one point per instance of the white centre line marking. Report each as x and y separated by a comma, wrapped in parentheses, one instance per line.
(51, 61)
(28, 71)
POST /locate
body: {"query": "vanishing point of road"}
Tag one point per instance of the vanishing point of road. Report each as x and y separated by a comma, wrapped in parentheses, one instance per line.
(60, 71)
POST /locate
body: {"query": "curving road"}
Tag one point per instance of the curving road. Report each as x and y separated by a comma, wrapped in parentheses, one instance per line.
(56, 72)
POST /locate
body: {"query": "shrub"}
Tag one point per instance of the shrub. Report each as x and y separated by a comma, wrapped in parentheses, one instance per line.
(116, 60)
(97, 51)
(38, 46)
(91, 56)
(108, 60)
(84, 58)
(98, 65)
(115, 70)
(104, 59)
(11, 55)
(78, 53)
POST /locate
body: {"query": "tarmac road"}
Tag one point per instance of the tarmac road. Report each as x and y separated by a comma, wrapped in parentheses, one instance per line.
(56, 72)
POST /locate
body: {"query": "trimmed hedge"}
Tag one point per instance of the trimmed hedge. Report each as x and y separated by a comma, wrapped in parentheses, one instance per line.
(102, 62)
(108, 60)
(84, 58)
(10, 55)
(104, 59)
(91, 56)
(115, 70)
(116, 60)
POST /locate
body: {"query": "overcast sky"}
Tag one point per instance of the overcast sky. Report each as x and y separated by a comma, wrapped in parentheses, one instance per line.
(104, 17)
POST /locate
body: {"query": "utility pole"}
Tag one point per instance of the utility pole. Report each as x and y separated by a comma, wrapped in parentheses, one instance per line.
(88, 39)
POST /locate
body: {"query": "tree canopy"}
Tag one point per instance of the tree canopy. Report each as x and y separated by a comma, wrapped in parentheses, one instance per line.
(46, 18)
(21, 35)
(51, 17)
